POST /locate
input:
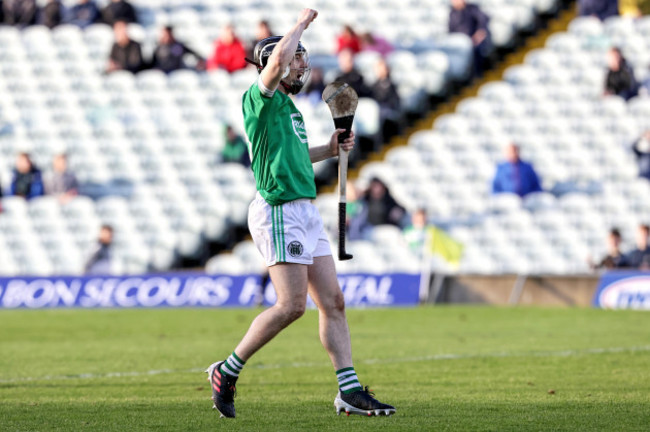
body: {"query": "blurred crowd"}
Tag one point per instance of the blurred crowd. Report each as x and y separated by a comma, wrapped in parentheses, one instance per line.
(636, 258)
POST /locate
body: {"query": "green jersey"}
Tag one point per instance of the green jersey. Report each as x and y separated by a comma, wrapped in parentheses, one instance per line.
(279, 149)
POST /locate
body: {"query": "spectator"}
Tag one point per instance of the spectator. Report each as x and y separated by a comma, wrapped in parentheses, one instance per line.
(601, 9)
(102, 260)
(263, 31)
(381, 206)
(169, 54)
(229, 52)
(470, 20)
(119, 10)
(640, 257)
(83, 14)
(416, 233)
(235, 149)
(51, 15)
(19, 13)
(356, 213)
(384, 91)
(61, 182)
(27, 181)
(615, 257)
(641, 149)
(313, 91)
(348, 40)
(620, 76)
(374, 43)
(515, 175)
(126, 54)
(349, 74)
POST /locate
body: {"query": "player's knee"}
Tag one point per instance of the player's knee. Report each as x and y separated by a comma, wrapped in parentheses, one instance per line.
(335, 305)
(296, 311)
(292, 312)
(339, 302)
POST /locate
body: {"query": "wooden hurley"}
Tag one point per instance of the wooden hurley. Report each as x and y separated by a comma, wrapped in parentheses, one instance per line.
(342, 101)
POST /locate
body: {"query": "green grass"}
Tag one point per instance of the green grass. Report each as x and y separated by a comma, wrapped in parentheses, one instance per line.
(444, 368)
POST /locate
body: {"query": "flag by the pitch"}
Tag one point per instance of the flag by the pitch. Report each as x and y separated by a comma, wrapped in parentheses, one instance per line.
(441, 244)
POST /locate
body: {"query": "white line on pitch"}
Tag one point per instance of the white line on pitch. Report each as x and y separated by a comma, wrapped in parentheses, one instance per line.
(435, 357)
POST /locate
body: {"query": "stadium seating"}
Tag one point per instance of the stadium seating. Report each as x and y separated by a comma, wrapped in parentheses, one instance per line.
(578, 140)
(145, 148)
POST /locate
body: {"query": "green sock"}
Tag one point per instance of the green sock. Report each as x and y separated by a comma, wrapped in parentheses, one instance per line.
(348, 381)
(232, 366)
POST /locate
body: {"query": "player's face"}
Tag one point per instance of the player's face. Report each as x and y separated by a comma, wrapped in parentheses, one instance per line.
(299, 68)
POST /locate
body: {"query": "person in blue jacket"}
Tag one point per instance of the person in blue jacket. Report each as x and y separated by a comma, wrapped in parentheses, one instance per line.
(514, 175)
(26, 180)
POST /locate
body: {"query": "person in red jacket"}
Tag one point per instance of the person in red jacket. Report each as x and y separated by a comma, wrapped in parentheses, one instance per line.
(348, 40)
(229, 52)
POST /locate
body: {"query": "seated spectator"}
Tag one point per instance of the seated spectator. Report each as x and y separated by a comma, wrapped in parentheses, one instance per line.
(384, 91)
(515, 175)
(348, 40)
(119, 10)
(229, 52)
(615, 257)
(235, 149)
(126, 54)
(374, 43)
(415, 234)
(356, 213)
(102, 260)
(639, 258)
(61, 182)
(641, 149)
(51, 15)
(262, 31)
(620, 76)
(83, 14)
(601, 9)
(470, 20)
(313, 91)
(349, 74)
(19, 13)
(169, 54)
(381, 206)
(27, 181)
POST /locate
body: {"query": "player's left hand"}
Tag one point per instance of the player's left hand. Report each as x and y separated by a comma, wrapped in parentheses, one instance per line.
(346, 145)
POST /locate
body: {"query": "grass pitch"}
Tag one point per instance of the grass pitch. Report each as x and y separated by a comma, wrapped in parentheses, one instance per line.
(444, 368)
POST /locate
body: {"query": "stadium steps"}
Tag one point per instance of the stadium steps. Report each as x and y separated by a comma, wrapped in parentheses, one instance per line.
(538, 40)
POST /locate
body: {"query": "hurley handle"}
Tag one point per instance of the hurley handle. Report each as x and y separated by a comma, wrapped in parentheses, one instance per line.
(343, 178)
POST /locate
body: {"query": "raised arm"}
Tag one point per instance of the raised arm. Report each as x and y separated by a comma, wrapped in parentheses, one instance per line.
(285, 50)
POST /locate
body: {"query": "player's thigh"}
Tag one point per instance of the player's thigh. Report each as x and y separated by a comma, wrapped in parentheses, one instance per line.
(290, 281)
(324, 286)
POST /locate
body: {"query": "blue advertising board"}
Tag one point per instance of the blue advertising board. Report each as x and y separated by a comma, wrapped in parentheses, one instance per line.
(188, 290)
(623, 290)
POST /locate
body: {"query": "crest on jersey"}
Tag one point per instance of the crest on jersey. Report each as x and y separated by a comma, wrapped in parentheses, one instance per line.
(299, 127)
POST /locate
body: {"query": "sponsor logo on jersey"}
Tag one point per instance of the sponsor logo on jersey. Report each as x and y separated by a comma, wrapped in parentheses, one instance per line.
(295, 249)
(299, 127)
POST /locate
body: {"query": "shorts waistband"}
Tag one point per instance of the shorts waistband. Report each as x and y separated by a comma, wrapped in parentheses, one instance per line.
(258, 196)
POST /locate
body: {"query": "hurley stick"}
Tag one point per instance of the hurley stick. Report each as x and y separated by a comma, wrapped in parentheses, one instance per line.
(342, 101)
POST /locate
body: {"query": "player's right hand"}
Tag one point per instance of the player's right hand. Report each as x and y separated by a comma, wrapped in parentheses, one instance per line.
(307, 16)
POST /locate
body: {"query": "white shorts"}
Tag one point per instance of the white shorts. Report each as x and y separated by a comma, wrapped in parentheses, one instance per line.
(292, 232)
